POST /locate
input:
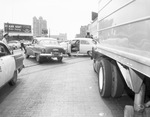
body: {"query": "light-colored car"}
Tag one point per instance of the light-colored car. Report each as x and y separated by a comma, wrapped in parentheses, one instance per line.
(10, 65)
(45, 48)
(14, 44)
(81, 46)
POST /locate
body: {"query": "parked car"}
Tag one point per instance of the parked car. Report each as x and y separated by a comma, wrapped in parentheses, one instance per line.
(10, 65)
(14, 44)
(45, 48)
(81, 45)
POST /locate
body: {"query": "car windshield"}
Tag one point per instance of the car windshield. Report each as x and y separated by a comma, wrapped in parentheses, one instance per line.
(48, 42)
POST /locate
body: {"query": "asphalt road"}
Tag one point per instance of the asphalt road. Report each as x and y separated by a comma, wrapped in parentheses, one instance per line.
(53, 89)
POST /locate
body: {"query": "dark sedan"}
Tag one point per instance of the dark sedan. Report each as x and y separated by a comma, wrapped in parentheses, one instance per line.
(45, 48)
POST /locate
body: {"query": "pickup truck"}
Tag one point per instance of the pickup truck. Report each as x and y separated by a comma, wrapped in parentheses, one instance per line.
(122, 59)
(10, 65)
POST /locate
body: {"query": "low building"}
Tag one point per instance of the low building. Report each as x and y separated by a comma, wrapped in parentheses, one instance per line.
(61, 37)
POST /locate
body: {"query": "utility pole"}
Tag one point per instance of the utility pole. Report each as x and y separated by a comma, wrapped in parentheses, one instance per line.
(49, 32)
(7, 28)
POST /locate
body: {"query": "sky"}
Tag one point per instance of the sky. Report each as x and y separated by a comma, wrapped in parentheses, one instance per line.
(62, 16)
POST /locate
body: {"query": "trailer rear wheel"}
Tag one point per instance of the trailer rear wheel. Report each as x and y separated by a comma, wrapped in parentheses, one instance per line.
(105, 78)
(117, 87)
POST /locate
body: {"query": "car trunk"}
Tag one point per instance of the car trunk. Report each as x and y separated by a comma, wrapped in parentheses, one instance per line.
(50, 49)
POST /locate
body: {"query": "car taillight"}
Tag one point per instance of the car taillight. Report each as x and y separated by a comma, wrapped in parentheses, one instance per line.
(43, 51)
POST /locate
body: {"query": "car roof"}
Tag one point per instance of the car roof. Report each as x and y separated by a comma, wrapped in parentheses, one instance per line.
(82, 39)
(42, 38)
(14, 40)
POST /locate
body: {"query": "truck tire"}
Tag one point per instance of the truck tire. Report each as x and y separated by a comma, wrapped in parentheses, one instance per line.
(105, 78)
(129, 111)
(117, 87)
(13, 81)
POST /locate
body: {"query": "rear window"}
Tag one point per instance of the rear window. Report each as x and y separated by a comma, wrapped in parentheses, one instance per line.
(48, 42)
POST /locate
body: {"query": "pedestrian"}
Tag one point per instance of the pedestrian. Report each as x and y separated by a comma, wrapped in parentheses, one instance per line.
(91, 36)
(5, 38)
(22, 46)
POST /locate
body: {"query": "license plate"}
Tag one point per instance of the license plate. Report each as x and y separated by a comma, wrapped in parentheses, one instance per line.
(55, 53)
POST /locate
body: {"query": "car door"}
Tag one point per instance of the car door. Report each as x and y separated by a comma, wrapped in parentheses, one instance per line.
(85, 46)
(37, 47)
(7, 65)
(75, 45)
(30, 49)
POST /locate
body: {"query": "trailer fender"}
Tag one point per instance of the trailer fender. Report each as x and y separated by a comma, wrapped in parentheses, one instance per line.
(133, 79)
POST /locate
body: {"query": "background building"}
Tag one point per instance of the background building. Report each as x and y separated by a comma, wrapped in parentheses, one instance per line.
(39, 27)
(92, 28)
(61, 37)
(83, 31)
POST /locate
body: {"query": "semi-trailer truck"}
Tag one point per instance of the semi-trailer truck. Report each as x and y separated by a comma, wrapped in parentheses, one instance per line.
(122, 59)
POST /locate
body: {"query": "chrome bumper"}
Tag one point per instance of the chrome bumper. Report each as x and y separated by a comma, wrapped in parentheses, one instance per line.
(52, 55)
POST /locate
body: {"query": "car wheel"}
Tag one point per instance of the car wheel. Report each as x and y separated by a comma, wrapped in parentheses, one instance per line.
(89, 53)
(59, 59)
(69, 54)
(27, 56)
(105, 78)
(13, 81)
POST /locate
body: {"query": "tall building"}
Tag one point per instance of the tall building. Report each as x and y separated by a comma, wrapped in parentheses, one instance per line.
(92, 28)
(83, 31)
(39, 27)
